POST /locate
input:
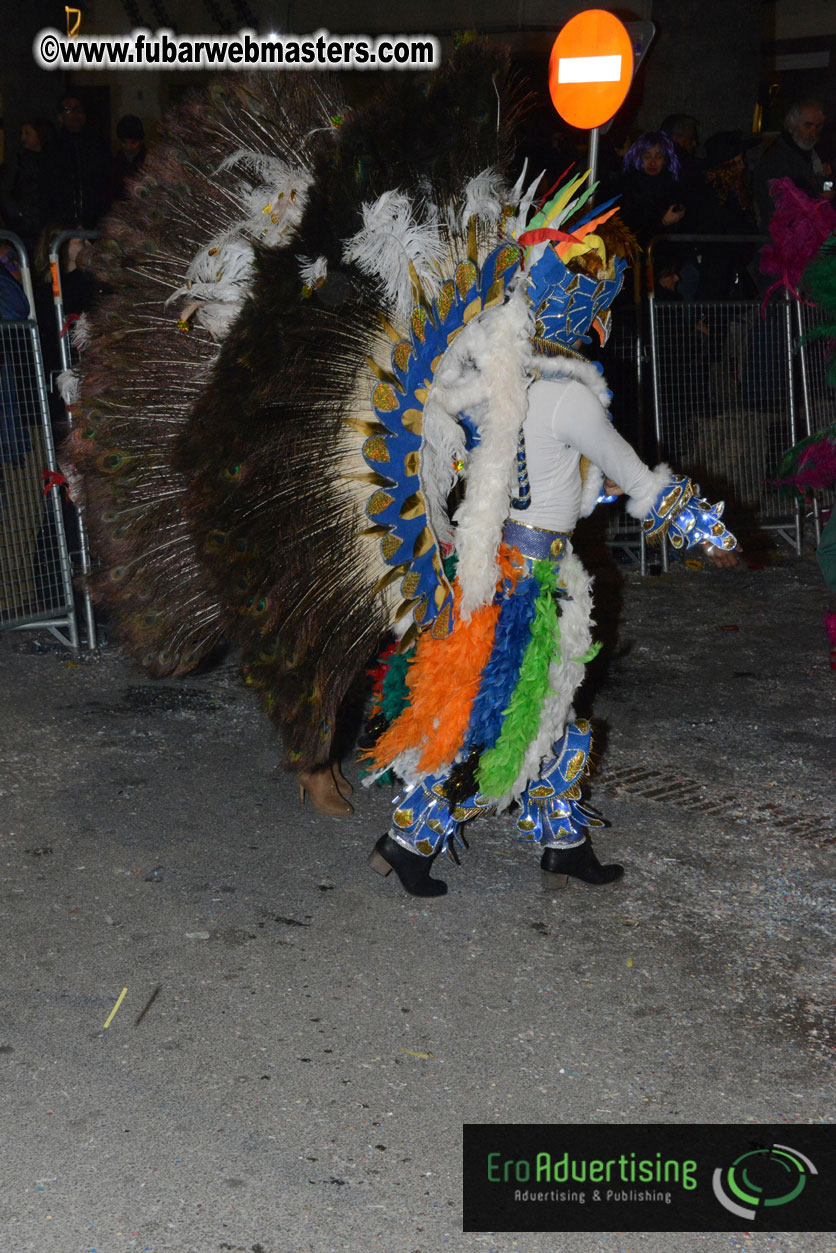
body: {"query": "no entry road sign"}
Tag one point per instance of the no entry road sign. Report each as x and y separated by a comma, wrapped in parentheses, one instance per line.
(591, 68)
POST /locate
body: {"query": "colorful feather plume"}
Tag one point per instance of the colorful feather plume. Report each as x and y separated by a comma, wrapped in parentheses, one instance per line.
(500, 765)
(799, 227)
(810, 465)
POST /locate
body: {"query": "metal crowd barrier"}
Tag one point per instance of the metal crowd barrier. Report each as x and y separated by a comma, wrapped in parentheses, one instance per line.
(68, 359)
(36, 588)
(732, 390)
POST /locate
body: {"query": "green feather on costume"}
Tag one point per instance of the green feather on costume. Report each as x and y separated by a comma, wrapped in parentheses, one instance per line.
(500, 765)
(395, 694)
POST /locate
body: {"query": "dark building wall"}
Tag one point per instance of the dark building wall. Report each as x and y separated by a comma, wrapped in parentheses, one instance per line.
(705, 60)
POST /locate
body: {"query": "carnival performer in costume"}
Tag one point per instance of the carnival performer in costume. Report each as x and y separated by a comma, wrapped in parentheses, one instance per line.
(364, 376)
(487, 717)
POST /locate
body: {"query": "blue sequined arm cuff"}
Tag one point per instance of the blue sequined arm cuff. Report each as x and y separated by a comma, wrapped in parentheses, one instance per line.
(680, 514)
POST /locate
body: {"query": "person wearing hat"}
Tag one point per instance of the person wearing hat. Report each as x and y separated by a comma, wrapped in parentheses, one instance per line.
(727, 209)
(130, 155)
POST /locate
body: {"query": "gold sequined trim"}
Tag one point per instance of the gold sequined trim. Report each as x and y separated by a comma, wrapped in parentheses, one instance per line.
(375, 449)
(389, 545)
(445, 299)
(418, 322)
(575, 765)
(410, 584)
(440, 628)
(401, 355)
(466, 276)
(378, 501)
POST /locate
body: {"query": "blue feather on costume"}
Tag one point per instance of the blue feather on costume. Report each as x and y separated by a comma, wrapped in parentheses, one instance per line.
(499, 677)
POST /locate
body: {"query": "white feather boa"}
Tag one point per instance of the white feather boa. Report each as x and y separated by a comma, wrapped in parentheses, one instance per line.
(484, 375)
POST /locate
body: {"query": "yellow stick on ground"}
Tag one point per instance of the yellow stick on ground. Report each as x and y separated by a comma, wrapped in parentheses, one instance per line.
(112, 1013)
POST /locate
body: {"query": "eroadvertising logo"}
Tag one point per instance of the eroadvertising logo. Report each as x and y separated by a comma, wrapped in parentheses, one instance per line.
(648, 1177)
(769, 1177)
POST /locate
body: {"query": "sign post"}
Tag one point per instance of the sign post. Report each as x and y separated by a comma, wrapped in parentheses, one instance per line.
(591, 67)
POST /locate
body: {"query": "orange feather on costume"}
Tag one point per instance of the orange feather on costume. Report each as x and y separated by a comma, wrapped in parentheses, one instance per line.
(443, 682)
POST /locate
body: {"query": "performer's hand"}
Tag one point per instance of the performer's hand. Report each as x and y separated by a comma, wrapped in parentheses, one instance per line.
(721, 556)
(612, 488)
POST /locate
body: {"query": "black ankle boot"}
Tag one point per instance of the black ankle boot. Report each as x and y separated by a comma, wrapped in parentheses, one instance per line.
(557, 864)
(412, 869)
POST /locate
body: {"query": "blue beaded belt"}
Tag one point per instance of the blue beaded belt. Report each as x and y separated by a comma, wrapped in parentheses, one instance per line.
(534, 542)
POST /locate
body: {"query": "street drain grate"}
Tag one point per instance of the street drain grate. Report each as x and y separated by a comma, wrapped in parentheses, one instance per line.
(689, 794)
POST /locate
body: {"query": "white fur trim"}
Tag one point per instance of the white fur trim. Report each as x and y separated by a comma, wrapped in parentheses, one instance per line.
(640, 506)
(576, 368)
(593, 481)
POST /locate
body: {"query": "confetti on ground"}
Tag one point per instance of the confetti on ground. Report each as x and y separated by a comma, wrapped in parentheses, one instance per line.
(112, 1013)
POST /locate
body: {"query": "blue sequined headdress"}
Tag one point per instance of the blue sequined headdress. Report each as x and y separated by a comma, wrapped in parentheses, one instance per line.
(570, 301)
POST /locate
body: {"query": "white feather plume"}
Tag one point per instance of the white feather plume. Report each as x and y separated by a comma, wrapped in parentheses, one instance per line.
(313, 271)
(218, 280)
(391, 238)
(484, 197)
(69, 385)
(522, 200)
(272, 211)
(80, 332)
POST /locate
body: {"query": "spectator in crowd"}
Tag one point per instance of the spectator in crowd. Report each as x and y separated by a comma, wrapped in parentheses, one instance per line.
(651, 198)
(683, 130)
(79, 186)
(130, 155)
(727, 209)
(793, 155)
(29, 193)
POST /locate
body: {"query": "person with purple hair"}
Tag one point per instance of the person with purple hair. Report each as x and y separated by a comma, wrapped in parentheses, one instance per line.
(651, 195)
